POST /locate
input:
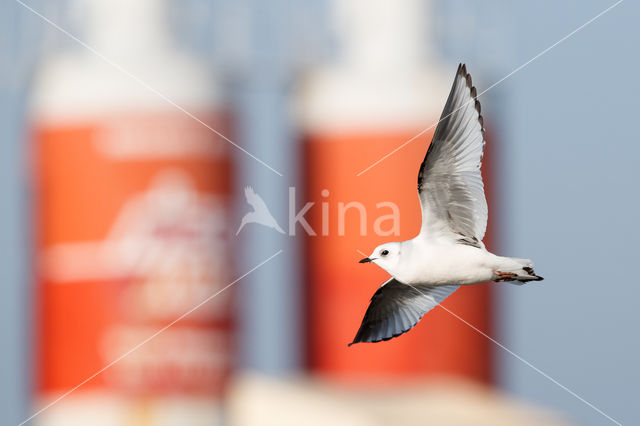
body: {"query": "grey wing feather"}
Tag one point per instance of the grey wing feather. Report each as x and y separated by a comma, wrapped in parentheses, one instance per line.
(450, 182)
(396, 307)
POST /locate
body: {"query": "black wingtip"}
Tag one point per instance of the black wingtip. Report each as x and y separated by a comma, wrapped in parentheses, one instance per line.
(462, 69)
(529, 270)
(368, 339)
(358, 337)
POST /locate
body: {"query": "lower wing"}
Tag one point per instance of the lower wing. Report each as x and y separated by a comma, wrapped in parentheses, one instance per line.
(396, 307)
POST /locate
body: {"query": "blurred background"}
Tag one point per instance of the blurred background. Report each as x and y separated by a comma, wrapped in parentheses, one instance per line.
(131, 129)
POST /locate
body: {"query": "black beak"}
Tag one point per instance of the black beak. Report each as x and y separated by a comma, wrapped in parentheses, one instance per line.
(365, 260)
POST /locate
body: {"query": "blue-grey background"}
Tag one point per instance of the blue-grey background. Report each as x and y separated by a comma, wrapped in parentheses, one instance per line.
(571, 203)
(567, 130)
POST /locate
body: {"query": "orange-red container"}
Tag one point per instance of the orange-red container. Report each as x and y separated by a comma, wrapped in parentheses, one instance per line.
(132, 200)
(339, 288)
(129, 239)
(385, 86)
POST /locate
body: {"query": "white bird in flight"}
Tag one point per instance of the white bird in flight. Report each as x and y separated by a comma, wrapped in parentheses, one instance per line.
(260, 213)
(448, 251)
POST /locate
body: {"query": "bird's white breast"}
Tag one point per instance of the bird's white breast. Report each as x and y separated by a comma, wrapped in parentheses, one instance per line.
(444, 262)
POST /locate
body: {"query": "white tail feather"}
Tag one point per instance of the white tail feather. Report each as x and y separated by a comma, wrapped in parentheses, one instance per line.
(522, 268)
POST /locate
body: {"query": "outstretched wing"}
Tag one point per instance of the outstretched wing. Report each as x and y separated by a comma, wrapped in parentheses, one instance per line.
(449, 182)
(396, 307)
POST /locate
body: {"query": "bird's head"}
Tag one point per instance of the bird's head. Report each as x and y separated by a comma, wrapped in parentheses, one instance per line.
(385, 256)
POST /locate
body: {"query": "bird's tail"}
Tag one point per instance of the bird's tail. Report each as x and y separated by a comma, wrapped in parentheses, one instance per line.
(517, 271)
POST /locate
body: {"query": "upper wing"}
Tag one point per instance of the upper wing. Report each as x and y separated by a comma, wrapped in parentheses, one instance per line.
(450, 183)
(396, 307)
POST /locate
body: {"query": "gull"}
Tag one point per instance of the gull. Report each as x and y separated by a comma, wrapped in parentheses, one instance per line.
(260, 213)
(448, 252)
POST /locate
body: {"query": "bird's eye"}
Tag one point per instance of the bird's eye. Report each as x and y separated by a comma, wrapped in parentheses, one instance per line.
(384, 252)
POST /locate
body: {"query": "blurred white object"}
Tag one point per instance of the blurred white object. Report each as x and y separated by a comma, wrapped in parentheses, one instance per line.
(100, 409)
(386, 73)
(260, 401)
(133, 66)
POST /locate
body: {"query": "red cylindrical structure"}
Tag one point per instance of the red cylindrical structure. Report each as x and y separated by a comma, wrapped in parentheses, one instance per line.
(127, 243)
(339, 288)
(132, 205)
(361, 171)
